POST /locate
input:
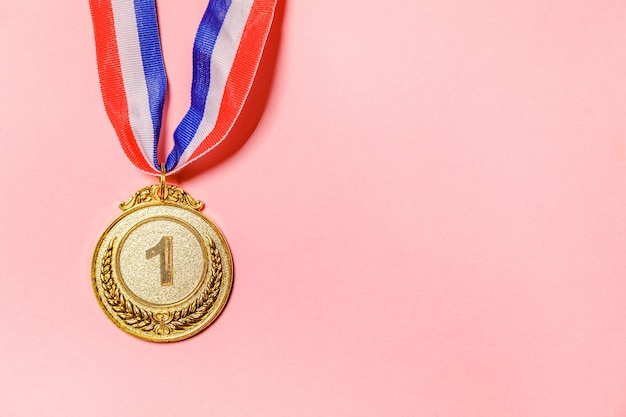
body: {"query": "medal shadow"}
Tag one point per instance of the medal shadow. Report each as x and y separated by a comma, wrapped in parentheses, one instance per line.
(253, 108)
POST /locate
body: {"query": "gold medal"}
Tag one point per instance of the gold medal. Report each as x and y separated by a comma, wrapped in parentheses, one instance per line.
(162, 271)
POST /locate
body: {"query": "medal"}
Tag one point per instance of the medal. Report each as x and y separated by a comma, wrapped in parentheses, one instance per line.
(162, 271)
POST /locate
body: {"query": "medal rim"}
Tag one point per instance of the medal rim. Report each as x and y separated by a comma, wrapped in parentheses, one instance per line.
(220, 302)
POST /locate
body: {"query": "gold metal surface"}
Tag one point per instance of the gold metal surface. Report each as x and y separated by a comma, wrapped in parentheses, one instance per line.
(162, 271)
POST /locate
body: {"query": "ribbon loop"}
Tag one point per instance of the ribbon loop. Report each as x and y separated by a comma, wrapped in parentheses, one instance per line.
(226, 54)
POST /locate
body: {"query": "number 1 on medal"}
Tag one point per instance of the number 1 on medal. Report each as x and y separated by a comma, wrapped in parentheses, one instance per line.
(165, 251)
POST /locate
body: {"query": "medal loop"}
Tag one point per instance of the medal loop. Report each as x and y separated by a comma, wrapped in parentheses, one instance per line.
(162, 185)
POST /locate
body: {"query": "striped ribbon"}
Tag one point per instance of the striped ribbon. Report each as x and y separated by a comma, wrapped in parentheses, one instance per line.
(226, 54)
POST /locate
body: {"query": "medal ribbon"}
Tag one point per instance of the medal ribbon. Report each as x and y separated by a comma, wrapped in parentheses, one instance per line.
(226, 54)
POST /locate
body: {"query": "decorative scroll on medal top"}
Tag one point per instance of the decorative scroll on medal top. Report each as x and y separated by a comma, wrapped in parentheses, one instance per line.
(162, 271)
(173, 194)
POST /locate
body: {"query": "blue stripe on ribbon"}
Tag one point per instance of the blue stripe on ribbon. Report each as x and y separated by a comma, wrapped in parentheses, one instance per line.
(153, 67)
(204, 43)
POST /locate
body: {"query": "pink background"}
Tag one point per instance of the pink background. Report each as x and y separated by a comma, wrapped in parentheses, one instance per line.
(426, 203)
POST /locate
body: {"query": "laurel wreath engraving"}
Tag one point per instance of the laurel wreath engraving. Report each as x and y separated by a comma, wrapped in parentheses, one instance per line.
(157, 322)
